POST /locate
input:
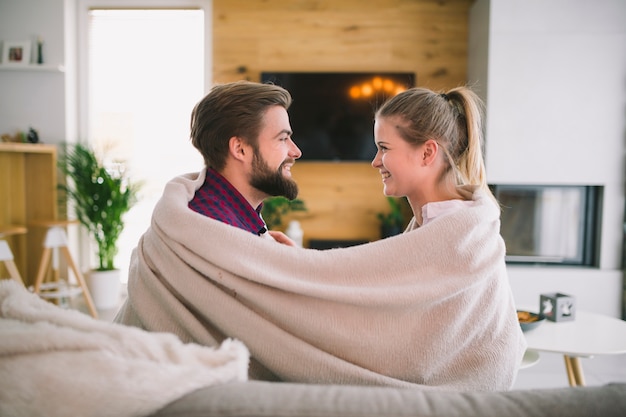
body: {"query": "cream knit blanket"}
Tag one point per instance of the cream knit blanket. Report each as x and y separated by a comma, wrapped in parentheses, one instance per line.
(431, 307)
(59, 363)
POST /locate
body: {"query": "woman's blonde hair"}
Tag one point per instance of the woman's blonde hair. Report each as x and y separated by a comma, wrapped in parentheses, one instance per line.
(453, 119)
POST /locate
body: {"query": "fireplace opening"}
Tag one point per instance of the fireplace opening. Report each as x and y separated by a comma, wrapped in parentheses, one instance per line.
(550, 224)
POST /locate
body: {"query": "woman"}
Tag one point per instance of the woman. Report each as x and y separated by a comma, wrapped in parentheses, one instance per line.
(429, 150)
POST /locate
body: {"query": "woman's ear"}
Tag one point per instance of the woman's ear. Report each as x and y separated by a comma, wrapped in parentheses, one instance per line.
(429, 151)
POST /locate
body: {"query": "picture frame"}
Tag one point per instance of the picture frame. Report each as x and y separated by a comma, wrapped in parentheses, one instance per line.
(16, 53)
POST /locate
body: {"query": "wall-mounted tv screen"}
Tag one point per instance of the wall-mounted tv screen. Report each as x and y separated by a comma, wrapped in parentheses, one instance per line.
(332, 114)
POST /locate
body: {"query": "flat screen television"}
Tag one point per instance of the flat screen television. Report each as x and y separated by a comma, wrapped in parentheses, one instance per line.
(332, 114)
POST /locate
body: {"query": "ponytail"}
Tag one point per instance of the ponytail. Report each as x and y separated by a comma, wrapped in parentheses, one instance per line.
(468, 162)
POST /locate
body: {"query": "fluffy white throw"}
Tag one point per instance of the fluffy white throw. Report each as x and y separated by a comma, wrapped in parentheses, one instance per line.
(56, 362)
(430, 308)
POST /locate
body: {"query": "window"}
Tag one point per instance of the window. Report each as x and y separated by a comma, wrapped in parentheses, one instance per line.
(144, 73)
(549, 224)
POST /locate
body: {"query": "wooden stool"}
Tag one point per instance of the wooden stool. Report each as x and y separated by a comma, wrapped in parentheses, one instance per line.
(56, 239)
(6, 255)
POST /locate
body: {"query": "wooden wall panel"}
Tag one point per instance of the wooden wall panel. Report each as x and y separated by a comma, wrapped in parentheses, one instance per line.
(342, 200)
(428, 37)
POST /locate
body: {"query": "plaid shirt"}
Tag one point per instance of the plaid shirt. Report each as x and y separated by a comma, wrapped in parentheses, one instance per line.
(219, 200)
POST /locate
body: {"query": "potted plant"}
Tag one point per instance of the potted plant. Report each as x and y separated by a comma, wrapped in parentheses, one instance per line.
(101, 196)
(274, 208)
(392, 222)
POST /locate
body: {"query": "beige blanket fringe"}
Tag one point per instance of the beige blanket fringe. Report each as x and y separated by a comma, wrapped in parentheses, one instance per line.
(431, 308)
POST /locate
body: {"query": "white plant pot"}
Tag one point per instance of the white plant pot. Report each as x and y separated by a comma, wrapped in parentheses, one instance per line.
(104, 287)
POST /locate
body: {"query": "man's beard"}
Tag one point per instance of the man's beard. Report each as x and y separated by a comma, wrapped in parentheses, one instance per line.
(273, 183)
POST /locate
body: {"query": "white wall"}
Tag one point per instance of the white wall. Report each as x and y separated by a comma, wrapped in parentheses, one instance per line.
(33, 98)
(555, 87)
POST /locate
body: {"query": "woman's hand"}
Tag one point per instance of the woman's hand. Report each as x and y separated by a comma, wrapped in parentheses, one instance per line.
(280, 237)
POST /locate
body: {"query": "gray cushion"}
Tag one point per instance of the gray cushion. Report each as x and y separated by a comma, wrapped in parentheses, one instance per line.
(256, 398)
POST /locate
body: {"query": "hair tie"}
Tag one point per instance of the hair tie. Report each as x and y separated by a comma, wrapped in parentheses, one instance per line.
(445, 96)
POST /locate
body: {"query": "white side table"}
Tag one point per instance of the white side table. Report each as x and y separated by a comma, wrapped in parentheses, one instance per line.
(589, 335)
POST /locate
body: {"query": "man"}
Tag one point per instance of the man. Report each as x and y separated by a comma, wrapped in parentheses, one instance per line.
(242, 131)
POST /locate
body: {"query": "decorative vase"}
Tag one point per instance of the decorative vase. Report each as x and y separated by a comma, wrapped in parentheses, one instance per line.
(104, 287)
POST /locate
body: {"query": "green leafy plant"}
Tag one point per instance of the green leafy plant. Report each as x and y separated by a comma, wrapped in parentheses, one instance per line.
(274, 208)
(101, 197)
(392, 222)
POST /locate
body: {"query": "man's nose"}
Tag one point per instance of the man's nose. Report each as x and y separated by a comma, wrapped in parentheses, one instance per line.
(294, 152)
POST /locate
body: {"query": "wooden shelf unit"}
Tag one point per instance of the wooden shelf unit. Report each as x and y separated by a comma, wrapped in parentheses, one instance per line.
(28, 192)
(33, 67)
